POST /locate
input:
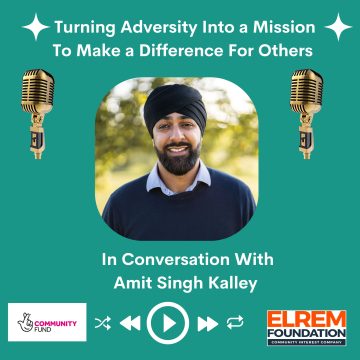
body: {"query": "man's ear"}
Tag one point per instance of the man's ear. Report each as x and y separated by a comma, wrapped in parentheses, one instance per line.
(153, 142)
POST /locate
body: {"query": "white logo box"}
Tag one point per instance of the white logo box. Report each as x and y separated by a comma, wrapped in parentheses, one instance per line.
(47, 322)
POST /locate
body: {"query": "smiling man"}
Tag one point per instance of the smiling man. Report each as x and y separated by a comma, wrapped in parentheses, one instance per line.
(181, 199)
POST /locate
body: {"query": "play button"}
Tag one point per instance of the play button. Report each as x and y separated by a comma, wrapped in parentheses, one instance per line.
(168, 323)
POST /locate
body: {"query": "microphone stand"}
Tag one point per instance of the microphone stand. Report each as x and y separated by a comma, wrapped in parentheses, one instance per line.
(306, 135)
(37, 145)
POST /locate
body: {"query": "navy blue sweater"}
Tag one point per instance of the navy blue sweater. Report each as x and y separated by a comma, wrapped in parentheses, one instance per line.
(206, 213)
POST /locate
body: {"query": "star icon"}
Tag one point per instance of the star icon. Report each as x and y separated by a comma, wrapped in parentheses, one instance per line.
(36, 26)
(338, 27)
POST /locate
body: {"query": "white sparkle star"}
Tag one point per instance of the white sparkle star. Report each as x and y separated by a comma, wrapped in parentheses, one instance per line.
(36, 26)
(338, 27)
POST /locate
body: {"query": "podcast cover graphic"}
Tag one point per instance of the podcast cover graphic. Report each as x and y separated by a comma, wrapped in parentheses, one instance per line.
(46, 322)
(53, 237)
(306, 327)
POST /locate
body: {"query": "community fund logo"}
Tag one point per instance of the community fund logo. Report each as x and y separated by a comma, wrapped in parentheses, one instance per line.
(42, 325)
(306, 327)
(47, 322)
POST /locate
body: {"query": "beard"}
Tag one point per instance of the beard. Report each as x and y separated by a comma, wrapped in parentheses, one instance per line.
(179, 165)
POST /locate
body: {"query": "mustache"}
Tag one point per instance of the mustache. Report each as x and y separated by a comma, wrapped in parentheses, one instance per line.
(179, 144)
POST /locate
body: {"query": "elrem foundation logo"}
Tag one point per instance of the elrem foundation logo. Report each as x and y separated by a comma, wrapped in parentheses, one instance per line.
(47, 322)
(306, 327)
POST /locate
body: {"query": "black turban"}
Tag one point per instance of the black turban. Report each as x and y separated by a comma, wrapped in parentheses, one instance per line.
(167, 99)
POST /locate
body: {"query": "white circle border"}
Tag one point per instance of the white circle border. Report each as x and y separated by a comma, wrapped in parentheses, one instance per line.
(160, 306)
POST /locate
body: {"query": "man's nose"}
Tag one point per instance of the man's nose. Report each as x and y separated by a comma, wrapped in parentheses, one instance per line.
(176, 134)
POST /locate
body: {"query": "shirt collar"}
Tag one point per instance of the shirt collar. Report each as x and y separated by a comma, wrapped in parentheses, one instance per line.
(154, 180)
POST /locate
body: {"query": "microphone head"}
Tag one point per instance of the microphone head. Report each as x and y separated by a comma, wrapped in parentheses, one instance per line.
(306, 91)
(37, 91)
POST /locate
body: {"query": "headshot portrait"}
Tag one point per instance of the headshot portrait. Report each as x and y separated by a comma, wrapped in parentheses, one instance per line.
(176, 159)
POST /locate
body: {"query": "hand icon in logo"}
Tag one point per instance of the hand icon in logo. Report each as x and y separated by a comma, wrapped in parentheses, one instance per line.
(26, 325)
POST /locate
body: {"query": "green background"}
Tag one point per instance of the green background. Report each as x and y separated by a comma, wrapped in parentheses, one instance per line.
(52, 236)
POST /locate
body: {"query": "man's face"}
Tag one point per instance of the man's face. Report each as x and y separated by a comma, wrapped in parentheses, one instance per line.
(177, 141)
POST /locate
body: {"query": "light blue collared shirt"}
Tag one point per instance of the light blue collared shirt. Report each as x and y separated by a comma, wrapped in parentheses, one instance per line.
(154, 180)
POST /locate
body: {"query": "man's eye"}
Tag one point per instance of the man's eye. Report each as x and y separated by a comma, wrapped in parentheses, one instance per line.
(187, 125)
(163, 126)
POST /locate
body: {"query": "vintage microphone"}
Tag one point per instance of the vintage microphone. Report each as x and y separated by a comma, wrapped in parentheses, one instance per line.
(37, 99)
(306, 99)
